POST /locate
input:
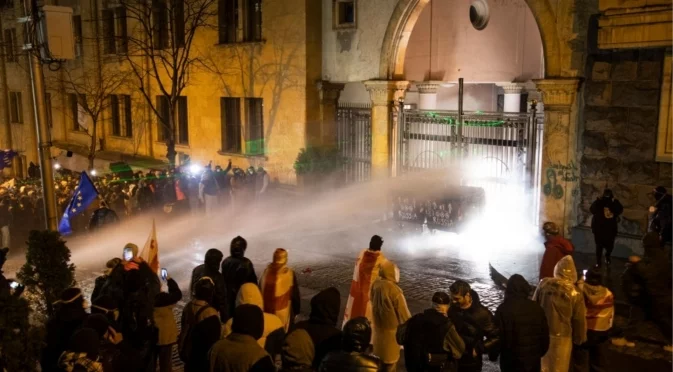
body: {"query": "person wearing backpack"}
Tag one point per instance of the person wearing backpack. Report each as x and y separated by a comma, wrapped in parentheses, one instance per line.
(201, 327)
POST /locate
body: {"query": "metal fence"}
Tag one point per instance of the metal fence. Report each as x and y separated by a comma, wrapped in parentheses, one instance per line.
(493, 150)
(354, 139)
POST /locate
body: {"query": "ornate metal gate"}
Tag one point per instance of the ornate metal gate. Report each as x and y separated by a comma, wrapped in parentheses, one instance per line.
(492, 147)
(354, 136)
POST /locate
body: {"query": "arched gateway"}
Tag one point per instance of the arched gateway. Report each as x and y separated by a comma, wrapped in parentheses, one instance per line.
(558, 91)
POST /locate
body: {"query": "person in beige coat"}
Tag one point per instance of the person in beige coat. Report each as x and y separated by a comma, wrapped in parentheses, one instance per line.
(389, 310)
(165, 322)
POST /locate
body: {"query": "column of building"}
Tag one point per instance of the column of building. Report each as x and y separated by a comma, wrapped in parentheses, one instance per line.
(329, 100)
(427, 95)
(559, 196)
(384, 95)
(512, 101)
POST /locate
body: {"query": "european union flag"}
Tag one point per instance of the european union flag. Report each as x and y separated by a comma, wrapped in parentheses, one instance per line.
(85, 194)
(6, 157)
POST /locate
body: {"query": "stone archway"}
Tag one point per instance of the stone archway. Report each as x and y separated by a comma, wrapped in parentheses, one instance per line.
(406, 14)
(559, 91)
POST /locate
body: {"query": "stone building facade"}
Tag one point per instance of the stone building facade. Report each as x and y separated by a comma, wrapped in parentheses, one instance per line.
(267, 83)
(626, 119)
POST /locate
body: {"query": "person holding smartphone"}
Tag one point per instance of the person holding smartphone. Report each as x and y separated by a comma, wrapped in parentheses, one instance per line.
(165, 321)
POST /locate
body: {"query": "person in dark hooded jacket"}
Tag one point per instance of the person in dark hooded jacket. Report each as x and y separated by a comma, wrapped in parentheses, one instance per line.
(647, 283)
(83, 353)
(606, 211)
(237, 270)
(102, 217)
(69, 317)
(321, 325)
(355, 354)
(211, 269)
(524, 332)
(661, 215)
(298, 352)
(115, 352)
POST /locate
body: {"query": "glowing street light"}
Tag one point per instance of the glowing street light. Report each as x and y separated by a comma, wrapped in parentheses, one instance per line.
(57, 166)
(195, 169)
(93, 172)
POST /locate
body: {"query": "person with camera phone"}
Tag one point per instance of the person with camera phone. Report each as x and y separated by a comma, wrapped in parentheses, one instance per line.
(165, 321)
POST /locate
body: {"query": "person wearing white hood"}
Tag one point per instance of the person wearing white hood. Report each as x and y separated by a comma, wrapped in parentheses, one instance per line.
(389, 310)
(563, 304)
(274, 331)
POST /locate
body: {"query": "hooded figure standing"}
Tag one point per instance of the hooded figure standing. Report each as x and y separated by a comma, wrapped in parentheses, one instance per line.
(555, 248)
(211, 269)
(661, 215)
(389, 310)
(355, 354)
(208, 192)
(274, 332)
(237, 270)
(280, 290)
(69, 317)
(321, 325)
(606, 211)
(240, 351)
(564, 307)
(366, 271)
(524, 332)
(102, 217)
(647, 283)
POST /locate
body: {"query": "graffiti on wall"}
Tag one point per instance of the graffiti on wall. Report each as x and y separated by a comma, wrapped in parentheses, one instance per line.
(557, 174)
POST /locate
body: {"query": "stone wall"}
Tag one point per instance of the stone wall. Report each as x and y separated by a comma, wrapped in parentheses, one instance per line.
(619, 134)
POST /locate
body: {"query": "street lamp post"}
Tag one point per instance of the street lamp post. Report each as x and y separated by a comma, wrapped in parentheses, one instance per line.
(40, 114)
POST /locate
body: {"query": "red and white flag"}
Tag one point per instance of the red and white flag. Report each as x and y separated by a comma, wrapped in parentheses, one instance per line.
(150, 252)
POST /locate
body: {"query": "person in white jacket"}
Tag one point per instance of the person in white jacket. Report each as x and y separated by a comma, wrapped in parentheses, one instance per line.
(563, 304)
(389, 311)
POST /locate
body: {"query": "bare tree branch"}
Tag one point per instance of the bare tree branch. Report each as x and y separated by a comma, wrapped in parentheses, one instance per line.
(157, 54)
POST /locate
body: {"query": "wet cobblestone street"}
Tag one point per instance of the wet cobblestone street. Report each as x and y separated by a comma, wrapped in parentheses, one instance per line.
(423, 271)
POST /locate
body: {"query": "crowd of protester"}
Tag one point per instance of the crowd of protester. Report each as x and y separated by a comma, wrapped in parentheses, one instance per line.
(235, 321)
(185, 190)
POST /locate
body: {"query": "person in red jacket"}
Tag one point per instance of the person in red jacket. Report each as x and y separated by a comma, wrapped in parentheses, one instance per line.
(555, 248)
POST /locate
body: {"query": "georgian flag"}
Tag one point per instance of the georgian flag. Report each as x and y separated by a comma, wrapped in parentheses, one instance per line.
(150, 252)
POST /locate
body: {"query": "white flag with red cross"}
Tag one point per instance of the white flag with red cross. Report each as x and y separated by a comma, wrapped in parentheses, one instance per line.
(150, 252)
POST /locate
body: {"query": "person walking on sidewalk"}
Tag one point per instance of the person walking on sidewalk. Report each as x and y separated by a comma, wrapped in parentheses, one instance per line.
(606, 211)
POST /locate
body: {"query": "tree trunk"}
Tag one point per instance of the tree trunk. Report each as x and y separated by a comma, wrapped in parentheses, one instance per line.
(170, 141)
(92, 146)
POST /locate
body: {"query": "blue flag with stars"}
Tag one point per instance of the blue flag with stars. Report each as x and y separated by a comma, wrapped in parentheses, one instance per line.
(85, 194)
(6, 157)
